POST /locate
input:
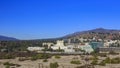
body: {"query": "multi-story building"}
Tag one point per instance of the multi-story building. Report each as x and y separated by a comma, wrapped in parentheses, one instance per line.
(59, 45)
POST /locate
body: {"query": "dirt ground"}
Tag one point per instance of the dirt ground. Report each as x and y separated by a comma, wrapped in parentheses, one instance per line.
(64, 62)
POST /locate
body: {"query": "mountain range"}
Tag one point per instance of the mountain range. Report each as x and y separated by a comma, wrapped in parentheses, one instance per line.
(94, 32)
(5, 38)
(99, 32)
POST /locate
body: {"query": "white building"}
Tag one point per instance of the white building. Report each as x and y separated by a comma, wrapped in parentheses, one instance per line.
(35, 48)
(70, 48)
(59, 45)
(107, 43)
(86, 47)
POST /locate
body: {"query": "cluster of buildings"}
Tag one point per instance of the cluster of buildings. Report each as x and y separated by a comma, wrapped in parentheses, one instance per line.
(67, 48)
(87, 47)
(72, 47)
(110, 46)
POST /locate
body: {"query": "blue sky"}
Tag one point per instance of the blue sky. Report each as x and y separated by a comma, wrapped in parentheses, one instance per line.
(36, 19)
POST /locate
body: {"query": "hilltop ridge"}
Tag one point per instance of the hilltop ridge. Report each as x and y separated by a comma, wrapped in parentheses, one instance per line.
(98, 32)
(5, 38)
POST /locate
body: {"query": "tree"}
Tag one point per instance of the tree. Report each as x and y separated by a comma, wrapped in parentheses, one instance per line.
(54, 65)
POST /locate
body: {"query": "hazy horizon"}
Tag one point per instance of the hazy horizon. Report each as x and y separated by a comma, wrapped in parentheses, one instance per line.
(37, 19)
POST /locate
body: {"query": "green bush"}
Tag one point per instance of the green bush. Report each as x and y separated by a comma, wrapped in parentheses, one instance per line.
(94, 62)
(107, 60)
(95, 58)
(40, 56)
(10, 64)
(46, 56)
(57, 57)
(23, 58)
(34, 58)
(7, 63)
(54, 65)
(86, 66)
(75, 62)
(9, 56)
(7, 66)
(115, 60)
(45, 60)
(110, 61)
